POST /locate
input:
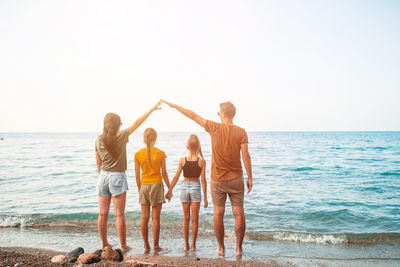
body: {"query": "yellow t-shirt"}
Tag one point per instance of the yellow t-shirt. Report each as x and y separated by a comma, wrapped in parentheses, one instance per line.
(150, 175)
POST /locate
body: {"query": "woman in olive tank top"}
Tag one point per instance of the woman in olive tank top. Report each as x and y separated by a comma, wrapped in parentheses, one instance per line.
(110, 152)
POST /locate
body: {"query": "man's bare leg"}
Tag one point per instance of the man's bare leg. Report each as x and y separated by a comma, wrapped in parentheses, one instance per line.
(219, 229)
(240, 227)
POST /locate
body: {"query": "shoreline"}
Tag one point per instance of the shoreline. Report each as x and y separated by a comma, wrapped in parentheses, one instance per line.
(9, 256)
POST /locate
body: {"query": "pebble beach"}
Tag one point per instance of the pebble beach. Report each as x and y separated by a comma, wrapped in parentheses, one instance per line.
(20, 256)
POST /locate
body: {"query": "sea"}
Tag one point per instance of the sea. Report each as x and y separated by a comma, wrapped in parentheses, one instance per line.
(318, 198)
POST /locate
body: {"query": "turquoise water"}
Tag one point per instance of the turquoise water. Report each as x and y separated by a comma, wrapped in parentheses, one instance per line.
(318, 191)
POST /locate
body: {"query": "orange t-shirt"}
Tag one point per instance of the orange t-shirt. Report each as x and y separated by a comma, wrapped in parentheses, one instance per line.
(226, 141)
(150, 175)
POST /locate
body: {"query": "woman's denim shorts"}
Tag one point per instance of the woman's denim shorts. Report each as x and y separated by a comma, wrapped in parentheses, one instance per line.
(190, 191)
(111, 183)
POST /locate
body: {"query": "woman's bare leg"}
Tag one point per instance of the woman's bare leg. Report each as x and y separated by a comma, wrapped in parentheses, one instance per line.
(119, 214)
(104, 208)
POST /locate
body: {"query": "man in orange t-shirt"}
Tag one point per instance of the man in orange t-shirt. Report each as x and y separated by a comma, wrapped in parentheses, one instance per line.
(227, 141)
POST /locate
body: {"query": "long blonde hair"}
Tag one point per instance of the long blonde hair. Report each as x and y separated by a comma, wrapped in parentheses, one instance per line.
(193, 144)
(112, 122)
(149, 136)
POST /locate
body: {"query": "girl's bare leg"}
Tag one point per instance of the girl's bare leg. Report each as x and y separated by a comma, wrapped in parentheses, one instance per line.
(155, 215)
(186, 221)
(145, 227)
(195, 222)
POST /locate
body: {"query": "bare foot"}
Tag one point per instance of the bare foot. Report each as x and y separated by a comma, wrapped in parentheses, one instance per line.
(193, 247)
(146, 249)
(125, 249)
(157, 248)
(186, 247)
(239, 252)
(221, 251)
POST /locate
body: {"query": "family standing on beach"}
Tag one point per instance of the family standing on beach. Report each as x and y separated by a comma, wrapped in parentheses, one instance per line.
(229, 142)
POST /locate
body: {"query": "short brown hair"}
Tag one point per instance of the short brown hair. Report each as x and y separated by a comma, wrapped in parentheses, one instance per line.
(228, 108)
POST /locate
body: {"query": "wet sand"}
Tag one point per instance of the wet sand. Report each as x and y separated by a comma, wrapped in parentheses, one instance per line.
(9, 256)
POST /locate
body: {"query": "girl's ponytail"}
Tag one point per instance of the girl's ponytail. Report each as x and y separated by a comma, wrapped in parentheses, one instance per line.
(149, 136)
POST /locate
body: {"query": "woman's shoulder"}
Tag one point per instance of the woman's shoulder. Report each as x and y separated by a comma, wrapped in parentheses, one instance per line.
(123, 135)
(123, 132)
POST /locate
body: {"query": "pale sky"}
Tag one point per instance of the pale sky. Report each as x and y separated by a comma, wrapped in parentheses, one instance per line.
(286, 65)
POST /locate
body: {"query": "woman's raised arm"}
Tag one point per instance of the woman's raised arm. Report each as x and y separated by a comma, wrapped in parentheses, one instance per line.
(139, 121)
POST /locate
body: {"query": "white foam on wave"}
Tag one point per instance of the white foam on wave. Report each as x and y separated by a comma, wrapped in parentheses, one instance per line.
(13, 221)
(230, 233)
(311, 238)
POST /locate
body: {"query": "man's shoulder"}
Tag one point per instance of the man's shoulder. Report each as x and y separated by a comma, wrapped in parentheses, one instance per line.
(240, 128)
(211, 123)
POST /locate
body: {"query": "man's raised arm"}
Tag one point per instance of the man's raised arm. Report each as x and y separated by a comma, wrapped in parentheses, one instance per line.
(188, 113)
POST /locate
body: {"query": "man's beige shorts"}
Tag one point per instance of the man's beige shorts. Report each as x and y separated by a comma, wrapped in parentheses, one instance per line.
(234, 188)
(151, 194)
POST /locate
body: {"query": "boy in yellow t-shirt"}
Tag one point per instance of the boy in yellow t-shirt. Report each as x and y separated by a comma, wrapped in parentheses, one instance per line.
(151, 161)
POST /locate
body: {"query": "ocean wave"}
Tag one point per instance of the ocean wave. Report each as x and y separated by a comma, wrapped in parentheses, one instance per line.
(379, 148)
(301, 169)
(391, 173)
(46, 220)
(372, 189)
(328, 238)
(77, 221)
(15, 221)
(311, 238)
(87, 222)
(338, 148)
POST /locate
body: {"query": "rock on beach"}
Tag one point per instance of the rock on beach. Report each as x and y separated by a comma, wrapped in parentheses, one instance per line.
(75, 253)
(110, 254)
(58, 259)
(88, 258)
